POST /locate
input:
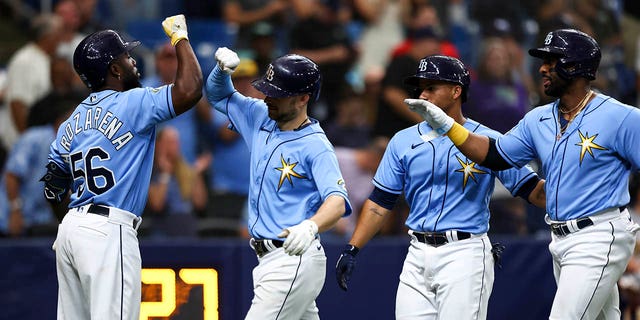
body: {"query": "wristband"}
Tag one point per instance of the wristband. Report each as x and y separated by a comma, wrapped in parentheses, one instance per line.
(458, 134)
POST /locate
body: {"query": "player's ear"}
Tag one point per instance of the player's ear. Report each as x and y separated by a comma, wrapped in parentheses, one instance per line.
(456, 91)
(115, 70)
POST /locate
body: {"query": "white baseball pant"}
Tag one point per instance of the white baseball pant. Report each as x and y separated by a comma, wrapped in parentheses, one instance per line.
(587, 265)
(285, 287)
(452, 281)
(98, 265)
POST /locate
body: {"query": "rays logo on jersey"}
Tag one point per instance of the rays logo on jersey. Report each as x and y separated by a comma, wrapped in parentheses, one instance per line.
(287, 171)
(468, 168)
(586, 144)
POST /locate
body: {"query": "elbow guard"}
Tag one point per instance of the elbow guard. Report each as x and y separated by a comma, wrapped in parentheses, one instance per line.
(56, 183)
(494, 160)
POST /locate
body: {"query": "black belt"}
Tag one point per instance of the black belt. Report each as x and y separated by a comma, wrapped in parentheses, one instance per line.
(437, 239)
(104, 211)
(263, 246)
(99, 210)
(561, 229)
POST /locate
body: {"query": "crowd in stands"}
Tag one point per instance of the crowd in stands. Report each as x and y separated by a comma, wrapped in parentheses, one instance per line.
(364, 49)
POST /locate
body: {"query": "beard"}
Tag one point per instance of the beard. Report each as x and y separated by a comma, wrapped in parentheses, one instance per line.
(557, 87)
(131, 80)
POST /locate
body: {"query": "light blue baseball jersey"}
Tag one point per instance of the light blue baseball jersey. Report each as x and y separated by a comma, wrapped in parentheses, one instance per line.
(444, 189)
(586, 168)
(27, 161)
(107, 146)
(292, 172)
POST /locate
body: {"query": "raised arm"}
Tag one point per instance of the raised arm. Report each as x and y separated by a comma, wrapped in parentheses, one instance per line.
(187, 88)
(480, 149)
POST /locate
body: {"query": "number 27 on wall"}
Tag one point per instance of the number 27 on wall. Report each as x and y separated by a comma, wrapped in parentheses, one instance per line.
(166, 278)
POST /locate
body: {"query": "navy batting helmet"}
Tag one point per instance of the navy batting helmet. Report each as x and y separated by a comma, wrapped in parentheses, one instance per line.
(94, 54)
(290, 75)
(442, 68)
(578, 54)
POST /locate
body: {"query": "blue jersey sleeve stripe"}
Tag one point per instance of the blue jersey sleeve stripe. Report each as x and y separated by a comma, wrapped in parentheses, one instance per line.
(384, 188)
(518, 185)
(170, 104)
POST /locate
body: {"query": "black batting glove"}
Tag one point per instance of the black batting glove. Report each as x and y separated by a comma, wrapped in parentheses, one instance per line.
(345, 265)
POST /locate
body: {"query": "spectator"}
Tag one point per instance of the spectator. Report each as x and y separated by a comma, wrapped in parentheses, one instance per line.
(358, 165)
(246, 13)
(176, 188)
(188, 123)
(497, 97)
(23, 209)
(350, 128)
(29, 76)
(321, 36)
(69, 12)
(393, 115)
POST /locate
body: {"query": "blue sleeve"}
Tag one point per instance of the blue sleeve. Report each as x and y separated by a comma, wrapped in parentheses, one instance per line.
(218, 88)
(513, 179)
(516, 146)
(149, 106)
(628, 136)
(328, 178)
(390, 174)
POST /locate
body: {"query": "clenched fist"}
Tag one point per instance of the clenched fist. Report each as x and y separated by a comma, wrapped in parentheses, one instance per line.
(227, 59)
(176, 28)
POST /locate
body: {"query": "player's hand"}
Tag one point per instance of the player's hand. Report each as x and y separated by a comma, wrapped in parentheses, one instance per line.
(434, 116)
(345, 265)
(227, 59)
(299, 237)
(176, 28)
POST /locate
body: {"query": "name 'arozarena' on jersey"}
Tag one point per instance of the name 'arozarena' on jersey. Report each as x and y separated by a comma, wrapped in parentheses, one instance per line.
(108, 125)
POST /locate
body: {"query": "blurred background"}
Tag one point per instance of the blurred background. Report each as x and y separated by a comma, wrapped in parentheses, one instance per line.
(364, 49)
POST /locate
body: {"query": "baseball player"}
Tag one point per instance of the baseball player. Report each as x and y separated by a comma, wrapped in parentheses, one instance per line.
(587, 144)
(296, 187)
(448, 271)
(103, 154)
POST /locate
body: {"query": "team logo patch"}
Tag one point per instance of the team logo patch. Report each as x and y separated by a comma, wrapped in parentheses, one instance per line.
(547, 40)
(468, 168)
(587, 145)
(269, 74)
(287, 171)
(341, 183)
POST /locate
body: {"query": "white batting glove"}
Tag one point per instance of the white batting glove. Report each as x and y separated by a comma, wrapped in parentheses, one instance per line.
(434, 116)
(299, 237)
(227, 59)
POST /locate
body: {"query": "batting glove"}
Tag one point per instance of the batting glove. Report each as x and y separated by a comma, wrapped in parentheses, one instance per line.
(345, 265)
(299, 237)
(434, 116)
(227, 59)
(176, 28)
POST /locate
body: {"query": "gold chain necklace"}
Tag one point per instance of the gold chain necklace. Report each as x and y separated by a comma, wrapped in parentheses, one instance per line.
(582, 103)
(579, 107)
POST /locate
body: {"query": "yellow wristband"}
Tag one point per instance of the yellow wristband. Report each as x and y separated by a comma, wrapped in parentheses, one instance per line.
(458, 134)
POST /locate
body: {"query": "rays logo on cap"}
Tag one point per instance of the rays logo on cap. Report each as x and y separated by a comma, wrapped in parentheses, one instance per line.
(547, 40)
(269, 74)
(423, 65)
